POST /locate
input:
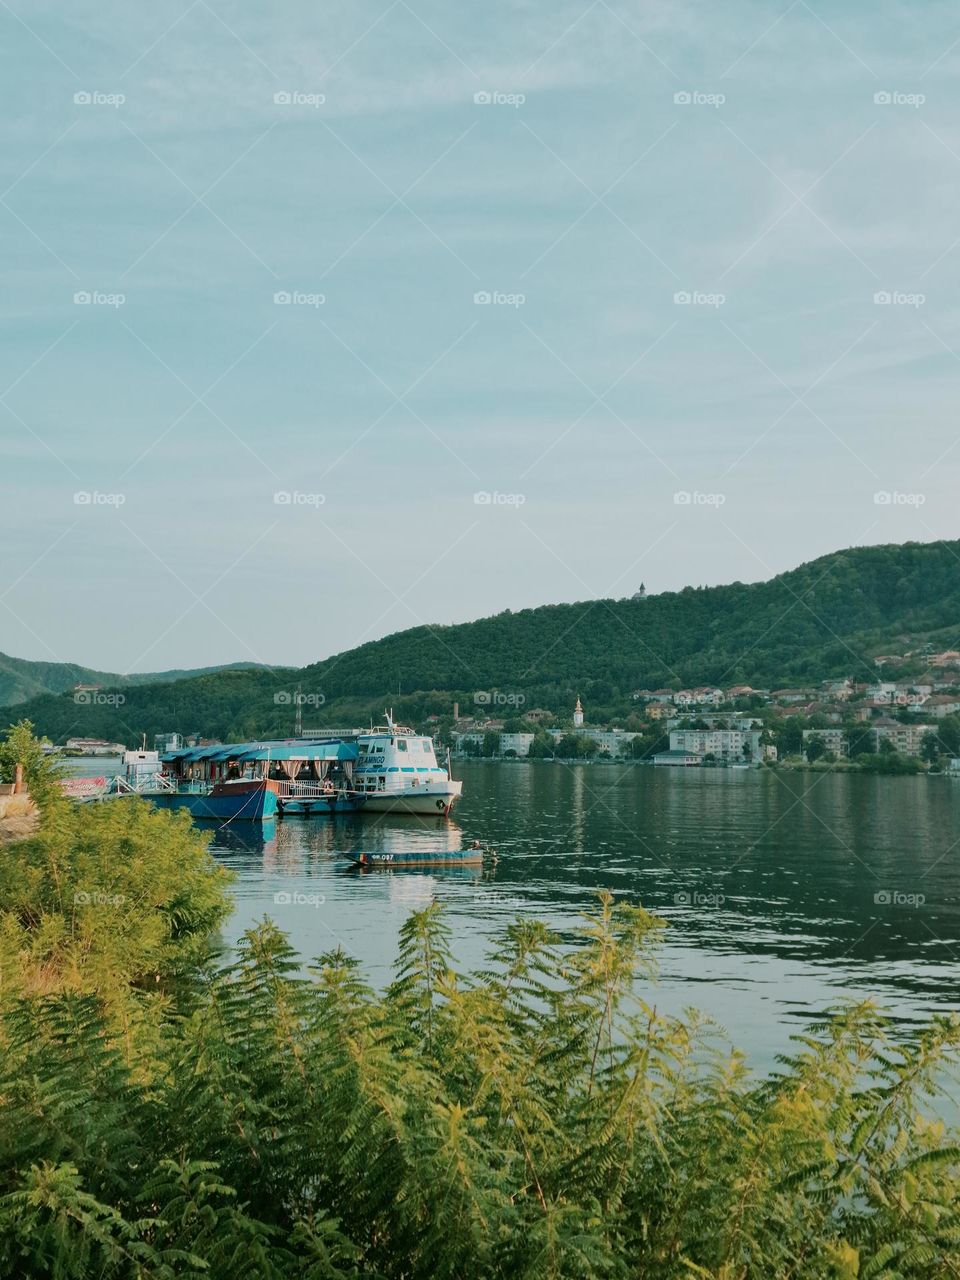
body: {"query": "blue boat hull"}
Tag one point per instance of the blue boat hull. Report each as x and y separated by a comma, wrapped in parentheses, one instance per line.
(253, 805)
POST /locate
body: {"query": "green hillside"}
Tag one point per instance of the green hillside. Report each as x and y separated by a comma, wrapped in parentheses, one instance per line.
(828, 617)
(21, 679)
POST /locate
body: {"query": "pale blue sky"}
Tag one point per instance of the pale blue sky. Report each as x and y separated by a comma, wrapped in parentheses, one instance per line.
(598, 399)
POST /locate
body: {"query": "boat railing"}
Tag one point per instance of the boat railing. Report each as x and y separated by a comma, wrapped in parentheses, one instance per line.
(152, 782)
(287, 790)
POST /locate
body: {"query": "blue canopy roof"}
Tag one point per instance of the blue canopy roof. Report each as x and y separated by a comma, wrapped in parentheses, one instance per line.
(289, 749)
(303, 751)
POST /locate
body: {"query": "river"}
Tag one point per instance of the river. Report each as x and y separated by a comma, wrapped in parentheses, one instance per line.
(785, 893)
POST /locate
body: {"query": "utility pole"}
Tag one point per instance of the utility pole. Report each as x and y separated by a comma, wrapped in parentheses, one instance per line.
(299, 720)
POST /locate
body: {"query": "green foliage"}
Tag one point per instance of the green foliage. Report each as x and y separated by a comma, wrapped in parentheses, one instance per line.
(105, 896)
(888, 760)
(574, 746)
(21, 679)
(19, 746)
(537, 1120)
(826, 618)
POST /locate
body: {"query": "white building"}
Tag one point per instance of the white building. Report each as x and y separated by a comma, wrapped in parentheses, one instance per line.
(723, 744)
(834, 740)
(516, 743)
(614, 742)
(95, 747)
(905, 738)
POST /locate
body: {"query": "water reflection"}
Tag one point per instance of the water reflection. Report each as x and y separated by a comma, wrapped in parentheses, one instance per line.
(783, 892)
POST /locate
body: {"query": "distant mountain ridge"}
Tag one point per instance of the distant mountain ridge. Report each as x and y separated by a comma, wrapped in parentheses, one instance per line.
(829, 617)
(21, 679)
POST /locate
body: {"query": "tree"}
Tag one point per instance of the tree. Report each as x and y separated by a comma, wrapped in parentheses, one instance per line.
(542, 747)
(815, 748)
(105, 897)
(930, 748)
(860, 740)
(20, 746)
(949, 733)
(790, 738)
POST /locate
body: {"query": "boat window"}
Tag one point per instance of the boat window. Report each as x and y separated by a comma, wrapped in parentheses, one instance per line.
(363, 748)
(401, 745)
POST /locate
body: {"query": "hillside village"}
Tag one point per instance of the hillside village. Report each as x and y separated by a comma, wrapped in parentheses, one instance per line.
(895, 720)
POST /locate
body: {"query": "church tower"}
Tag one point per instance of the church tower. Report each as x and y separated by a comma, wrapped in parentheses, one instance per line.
(578, 715)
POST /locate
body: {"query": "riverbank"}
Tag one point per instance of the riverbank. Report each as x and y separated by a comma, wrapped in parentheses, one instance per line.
(898, 766)
(19, 818)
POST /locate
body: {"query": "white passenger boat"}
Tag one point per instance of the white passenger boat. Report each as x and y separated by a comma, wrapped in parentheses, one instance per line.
(397, 772)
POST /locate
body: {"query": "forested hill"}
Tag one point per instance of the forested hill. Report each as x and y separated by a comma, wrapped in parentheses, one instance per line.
(21, 679)
(828, 617)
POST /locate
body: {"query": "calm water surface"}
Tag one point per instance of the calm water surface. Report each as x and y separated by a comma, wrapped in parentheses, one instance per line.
(780, 889)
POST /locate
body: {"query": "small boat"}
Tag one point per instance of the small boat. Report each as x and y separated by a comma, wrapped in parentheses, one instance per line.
(419, 858)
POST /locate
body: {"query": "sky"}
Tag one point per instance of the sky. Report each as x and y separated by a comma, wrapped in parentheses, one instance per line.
(323, 321)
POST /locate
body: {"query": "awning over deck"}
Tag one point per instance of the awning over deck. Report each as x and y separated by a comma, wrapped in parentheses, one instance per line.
(305, 751)
(283, 751)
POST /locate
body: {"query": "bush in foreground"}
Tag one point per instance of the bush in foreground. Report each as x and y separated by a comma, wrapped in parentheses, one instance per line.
(539, 1119)
(104, 898)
